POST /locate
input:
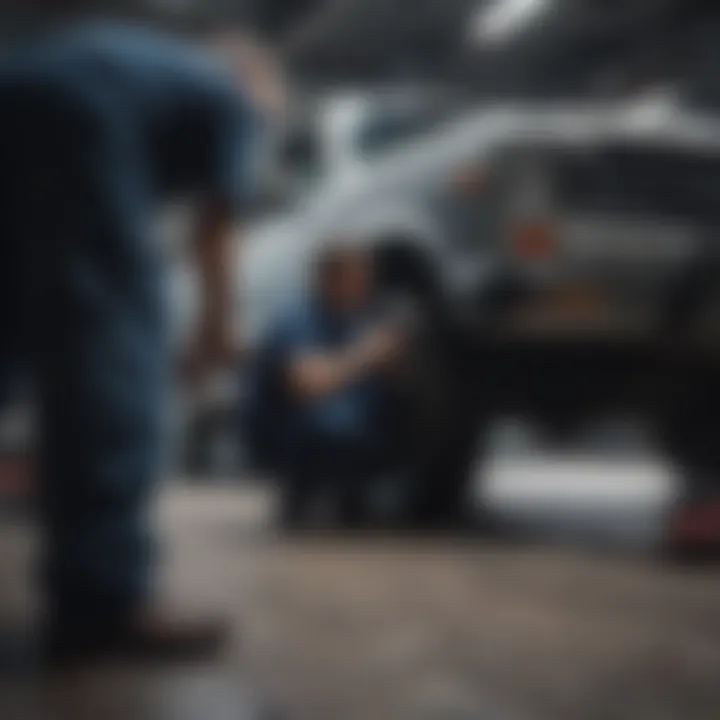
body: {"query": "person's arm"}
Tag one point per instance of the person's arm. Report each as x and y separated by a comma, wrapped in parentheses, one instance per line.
(237, 108)
(314, 375)
(215, 248)
(225, 186)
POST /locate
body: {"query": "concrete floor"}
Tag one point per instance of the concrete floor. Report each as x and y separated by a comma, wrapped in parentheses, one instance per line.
(390, 628)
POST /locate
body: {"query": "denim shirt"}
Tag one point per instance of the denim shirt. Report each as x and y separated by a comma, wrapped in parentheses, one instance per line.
(195, 132)
(348, 412)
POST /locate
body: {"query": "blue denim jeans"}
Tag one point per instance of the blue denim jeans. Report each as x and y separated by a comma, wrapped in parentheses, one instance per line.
(89, 311)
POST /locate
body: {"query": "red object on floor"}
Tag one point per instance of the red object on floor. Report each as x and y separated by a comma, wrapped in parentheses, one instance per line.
(697, 525)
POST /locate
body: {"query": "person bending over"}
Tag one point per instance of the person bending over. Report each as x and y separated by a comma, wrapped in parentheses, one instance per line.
(103, 123)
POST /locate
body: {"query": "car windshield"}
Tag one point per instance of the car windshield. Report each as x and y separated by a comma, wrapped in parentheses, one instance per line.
(393, 128)
(641, 180)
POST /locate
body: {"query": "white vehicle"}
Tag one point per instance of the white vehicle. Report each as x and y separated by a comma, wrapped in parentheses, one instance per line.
(569, 248)
(430, 190)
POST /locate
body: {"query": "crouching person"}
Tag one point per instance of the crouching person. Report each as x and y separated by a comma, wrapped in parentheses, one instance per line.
(336, 423)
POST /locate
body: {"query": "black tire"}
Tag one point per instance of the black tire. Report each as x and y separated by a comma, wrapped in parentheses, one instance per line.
(690, 436)
(441, 391)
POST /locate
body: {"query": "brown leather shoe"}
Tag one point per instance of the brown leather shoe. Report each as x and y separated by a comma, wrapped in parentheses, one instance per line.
(152, 636)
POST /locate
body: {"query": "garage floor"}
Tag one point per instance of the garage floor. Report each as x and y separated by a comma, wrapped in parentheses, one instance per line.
(390, 628)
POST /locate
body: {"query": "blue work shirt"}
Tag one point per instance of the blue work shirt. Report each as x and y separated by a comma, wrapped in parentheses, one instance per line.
(350, 412)
(193, 131)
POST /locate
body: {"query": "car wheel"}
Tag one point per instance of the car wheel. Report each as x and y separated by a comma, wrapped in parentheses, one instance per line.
(439, 387)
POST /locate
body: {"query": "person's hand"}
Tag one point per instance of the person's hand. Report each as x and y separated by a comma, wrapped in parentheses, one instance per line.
(381, 347)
